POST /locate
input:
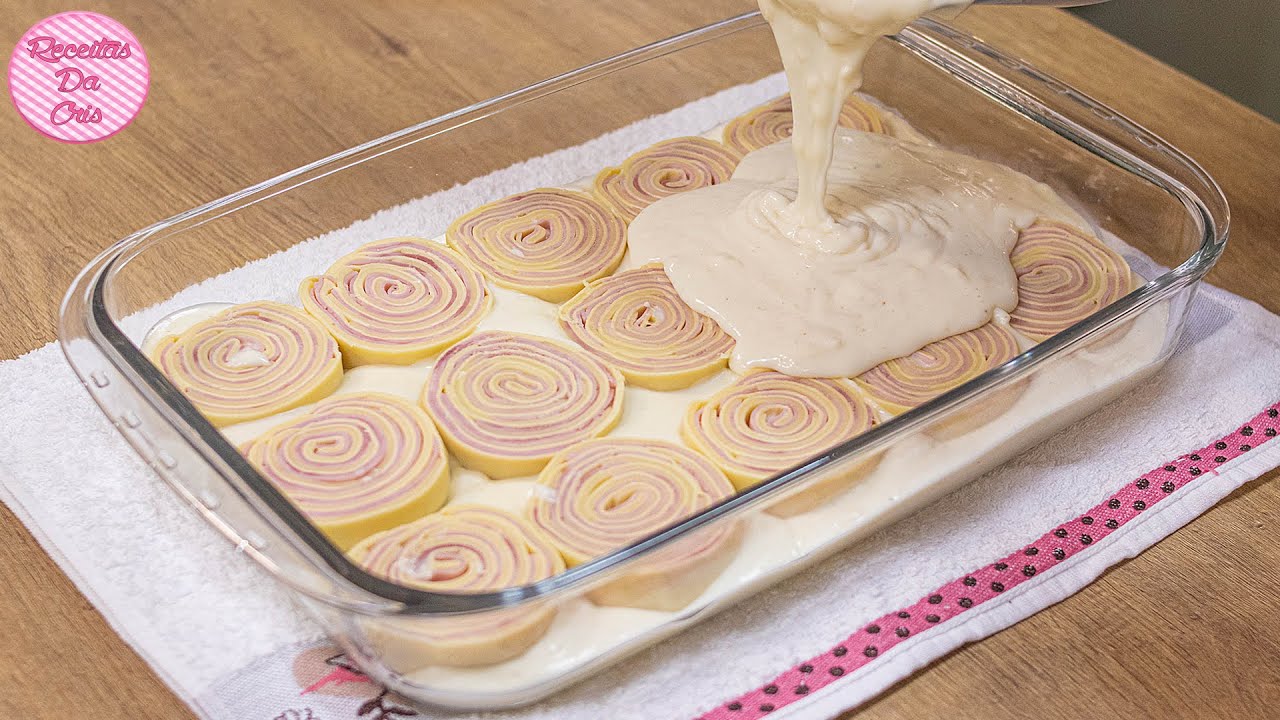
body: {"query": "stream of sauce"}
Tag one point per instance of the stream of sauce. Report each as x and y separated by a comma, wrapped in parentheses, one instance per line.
(823, 44)
(832, 252)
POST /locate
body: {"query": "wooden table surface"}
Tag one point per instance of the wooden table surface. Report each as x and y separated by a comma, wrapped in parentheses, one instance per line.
(245, 90)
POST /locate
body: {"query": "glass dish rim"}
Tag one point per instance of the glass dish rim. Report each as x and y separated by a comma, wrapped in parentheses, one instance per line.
(922, 38)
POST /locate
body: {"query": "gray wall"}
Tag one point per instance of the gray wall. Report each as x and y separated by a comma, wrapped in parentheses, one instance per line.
(1233, 45)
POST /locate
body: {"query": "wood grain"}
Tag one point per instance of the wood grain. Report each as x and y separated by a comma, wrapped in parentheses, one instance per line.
(243, 91)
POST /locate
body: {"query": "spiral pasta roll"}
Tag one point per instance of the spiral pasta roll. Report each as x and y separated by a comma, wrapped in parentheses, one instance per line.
(463, 549)
(356, 464)
(1064, 276)
(636, 322)
(544, 243)
(772, 123)
(397, 301)
(602, 495)
(767, 423)
(250, 361)
(506, 402)
(669, 167)
(903, 383)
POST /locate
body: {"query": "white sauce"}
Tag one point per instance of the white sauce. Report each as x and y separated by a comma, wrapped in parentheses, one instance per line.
(934, 228)
(835, 251)
(823, 44)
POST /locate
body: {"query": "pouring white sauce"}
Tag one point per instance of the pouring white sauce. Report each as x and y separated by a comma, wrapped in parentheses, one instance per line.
(934, 230)
(835, 251)
(823, 44)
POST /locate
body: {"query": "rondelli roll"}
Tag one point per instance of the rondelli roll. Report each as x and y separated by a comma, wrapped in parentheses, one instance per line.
(601, 495)
(506, 402)
(767, 423)
(356, 464)
(463, 549)
(666, 168)
(903, 383)
(772, 123)
(250, 361)
(544, 243)
(636, 322)
(1064, 276)
(397, 301)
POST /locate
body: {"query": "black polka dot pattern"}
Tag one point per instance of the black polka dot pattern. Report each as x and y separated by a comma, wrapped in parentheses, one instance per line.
(939, 606)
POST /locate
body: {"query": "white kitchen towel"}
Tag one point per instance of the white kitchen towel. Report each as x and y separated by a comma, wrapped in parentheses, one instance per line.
(231, 643)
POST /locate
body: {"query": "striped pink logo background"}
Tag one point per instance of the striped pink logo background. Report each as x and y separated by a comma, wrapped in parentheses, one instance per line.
(78, 77)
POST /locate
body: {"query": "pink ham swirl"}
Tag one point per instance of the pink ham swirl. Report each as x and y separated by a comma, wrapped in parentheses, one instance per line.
(602, 495)
(772, 123)
(901, 384)
(545, 243)
(506, 402)
(356, 464)
(250, 361)
(767, 423)
(1064, 276)
(463, 549)
(636, 322)
(669, 167)
(397, 300)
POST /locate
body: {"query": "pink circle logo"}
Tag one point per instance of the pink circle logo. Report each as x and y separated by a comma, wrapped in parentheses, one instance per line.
(78, 77)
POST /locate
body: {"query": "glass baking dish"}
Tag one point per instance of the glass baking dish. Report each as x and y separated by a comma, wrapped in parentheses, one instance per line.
(956, 90)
